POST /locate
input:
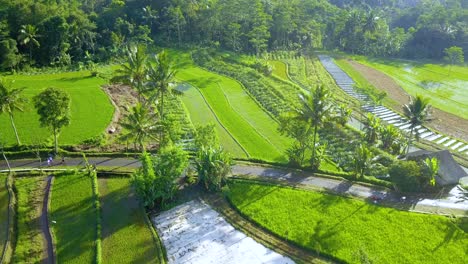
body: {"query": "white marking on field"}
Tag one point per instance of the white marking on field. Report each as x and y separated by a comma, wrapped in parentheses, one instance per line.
(463, 149)
(443, 140)
(436, 136)
(195, 233)
(450, 142)
(454, 147)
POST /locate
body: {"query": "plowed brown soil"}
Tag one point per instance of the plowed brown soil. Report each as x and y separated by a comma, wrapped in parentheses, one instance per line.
(441, 121)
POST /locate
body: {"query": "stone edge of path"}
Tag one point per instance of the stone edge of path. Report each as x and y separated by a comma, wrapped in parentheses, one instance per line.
(259, 234)
(45, 226)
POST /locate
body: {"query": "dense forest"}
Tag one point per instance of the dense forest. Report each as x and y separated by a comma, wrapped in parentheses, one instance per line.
(65, 32)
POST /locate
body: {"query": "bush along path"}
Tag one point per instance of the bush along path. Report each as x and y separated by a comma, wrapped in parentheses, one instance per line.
(454, 202)
(389, 116)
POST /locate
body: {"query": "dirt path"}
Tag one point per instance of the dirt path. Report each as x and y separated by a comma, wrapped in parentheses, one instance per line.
(44, 223)
(442, 121)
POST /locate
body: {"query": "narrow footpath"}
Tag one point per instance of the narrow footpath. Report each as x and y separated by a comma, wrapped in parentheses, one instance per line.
(450, 202)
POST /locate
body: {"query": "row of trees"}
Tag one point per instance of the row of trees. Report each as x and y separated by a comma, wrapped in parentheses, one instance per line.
(71, 31)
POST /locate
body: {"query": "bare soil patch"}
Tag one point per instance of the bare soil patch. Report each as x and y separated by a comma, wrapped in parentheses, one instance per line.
(441, 121)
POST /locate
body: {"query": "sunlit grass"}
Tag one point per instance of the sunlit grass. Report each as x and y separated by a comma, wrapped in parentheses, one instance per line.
(126, 238)
(91, 110)
(349, 229)
(279, 69)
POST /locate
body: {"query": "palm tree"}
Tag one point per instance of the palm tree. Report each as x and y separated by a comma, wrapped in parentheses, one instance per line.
(371, 128)
(316, 108)
(417, 111)
(135, 71)
(140, 125)
(28, 36)
(160, 81)
(10, 101)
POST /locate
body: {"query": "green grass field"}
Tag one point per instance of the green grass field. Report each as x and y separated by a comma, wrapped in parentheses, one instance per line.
(242, 117)
(352, 230)
(91, 110)
(30, 242)
(448, 92)
(72, 209)
(125, 236)
(3, 211)
(279, 69)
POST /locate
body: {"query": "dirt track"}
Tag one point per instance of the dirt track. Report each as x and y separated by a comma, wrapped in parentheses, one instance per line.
(442, 121)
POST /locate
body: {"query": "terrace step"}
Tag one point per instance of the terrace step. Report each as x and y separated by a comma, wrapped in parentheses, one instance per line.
(443, 140)
(450, 143)
(405, 126)
(391, 118)
(436, 136)
(394, 121)
(463, 149)
(427, 134)
(454, 147)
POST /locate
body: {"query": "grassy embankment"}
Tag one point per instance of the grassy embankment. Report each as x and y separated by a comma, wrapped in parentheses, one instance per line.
(30, 246)
(91, 110)
(248, 124)
(352, 230)
(125, 236)
(73, 211)
(3, 212)
(445, 85)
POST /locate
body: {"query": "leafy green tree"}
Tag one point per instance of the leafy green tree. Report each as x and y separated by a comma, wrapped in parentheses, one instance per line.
(406, 176)
(316, 108)
(11, 100)
(362, 160)
(213, 165)
(139, 126)
(344, 114)
(371, 128)
(9, 57)
(53, 108)
(28, 36)
(389, 135)
(160, 83)
(206, 136)
(135, 71)
(454, 55)
(432, 167)
(417, 111)
(259, 34)
(302, 132)
(144, 181)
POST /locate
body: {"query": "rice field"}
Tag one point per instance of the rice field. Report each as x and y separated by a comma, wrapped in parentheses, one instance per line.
(255, 131)
(126, 238)
(30, 243)
(445, 85)
(279, 69)
(73, 218)
(351, 230)
(91, 110)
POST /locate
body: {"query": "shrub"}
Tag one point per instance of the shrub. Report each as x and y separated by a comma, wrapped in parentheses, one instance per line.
(406, 175)
(213, 165)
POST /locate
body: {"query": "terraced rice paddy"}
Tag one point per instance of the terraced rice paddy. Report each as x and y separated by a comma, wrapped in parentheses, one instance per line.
(73, 218)
(446, 86)
(126, 238)
(352, 230)
(234, 109)
(91, 110)
(279, 69)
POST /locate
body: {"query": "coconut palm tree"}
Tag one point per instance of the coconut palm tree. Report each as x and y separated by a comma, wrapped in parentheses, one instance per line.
(135, 71)
(316, 109)
(11, 100)
(160, 84)
(417, 111)
(28, 36)
(139, 126)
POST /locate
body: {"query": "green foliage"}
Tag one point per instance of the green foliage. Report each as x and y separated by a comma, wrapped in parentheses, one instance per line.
(417, 111)
(454, 55)
(140, 125)
(11, 99)
(134, 72)
(431, 167)
(340, 227)
(9, 58)
(213, 165)
(406, 175)
(372, 127)
(53, 108)
(205, 136)
(144, 181)
(391, 139)
(362, 160)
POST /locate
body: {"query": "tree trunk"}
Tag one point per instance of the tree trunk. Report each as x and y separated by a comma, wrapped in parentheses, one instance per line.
(14, 129)
(6, 160)
(55, 142)
(313, 147)
(409, 140)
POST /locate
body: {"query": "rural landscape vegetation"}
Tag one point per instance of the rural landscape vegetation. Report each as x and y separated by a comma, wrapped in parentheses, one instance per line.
(240, 131)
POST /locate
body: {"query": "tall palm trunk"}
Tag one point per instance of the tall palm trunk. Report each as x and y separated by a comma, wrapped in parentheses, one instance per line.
(409, 140)
(55, 142)
(14, 129)
(313, 146)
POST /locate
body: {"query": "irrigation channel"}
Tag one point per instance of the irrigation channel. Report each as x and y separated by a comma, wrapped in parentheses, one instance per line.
(387, 115)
